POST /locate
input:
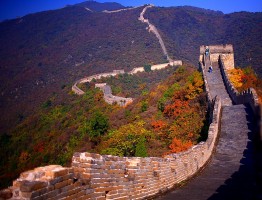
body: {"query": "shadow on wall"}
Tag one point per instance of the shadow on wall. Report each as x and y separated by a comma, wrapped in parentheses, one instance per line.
(242, 184)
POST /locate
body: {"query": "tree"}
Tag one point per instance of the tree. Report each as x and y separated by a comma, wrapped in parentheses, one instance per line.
(178, 145)
(144, 106)
(147, 68)
(98, 124)
(141, 148)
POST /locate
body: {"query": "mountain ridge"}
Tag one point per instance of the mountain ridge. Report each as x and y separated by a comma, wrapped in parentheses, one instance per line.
(42, 53)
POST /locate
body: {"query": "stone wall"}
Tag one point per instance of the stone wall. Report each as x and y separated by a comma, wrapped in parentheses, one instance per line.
(78, 91)
(202, 69)
(228, 59)
(110, 98)
(249, 96)
(93, 176)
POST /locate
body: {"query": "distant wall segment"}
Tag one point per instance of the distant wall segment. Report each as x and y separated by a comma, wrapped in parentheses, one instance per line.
(109, 98)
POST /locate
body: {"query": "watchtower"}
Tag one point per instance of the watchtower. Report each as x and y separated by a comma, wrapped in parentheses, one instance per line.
(225, 51)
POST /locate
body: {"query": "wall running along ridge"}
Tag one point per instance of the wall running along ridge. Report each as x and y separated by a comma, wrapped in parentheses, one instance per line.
(153, 29)
(108, 97)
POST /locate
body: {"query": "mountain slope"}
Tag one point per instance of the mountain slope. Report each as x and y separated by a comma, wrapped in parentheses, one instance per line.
(186, 28)
(41, 53)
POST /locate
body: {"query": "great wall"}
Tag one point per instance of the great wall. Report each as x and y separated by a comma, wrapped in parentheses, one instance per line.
(94, 176)
(108, 96)
(153, 29)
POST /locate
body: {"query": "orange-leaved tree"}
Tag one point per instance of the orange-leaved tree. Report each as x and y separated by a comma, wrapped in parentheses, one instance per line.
(178, 145)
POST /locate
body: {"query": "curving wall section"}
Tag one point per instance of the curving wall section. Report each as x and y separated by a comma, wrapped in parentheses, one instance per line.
(93, 176)
(108, 97)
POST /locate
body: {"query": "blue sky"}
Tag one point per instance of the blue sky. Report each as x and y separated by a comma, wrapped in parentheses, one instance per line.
(13, 8)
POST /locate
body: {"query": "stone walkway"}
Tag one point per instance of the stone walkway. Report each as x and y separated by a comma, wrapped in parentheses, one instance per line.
(216, 85)
(230, 173)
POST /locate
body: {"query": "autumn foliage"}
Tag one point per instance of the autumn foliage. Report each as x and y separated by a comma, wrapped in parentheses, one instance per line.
(178, 145)
(245, 78)
(158, 124)
(166, 117)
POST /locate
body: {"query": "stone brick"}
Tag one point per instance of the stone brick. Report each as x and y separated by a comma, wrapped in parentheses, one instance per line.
(67, 188)
(100, 198)
(86, 176)
(80, 193)
(85, 165)
(63, 184)
(57, 172)
(29, 186)
(17, 183)
(51, 194)
(56, 180)
(78, 169)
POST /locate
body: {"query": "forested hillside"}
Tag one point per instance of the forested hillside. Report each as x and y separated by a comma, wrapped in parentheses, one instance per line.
(45, 52)
(155, 124)
(186, 28)
(42, 53)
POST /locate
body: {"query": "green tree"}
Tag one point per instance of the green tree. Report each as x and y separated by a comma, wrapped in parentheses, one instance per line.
(141, 148)
(144, 106)
(147, 68)
(98, 124)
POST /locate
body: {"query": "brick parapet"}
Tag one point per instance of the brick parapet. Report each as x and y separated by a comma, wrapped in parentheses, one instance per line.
(202, 69)
(248, 96)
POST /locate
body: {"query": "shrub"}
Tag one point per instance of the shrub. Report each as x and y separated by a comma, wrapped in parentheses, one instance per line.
(147, 68)
(141, 148)
(98, 124)
(144, 106)
(112, 151)
(47, 104)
